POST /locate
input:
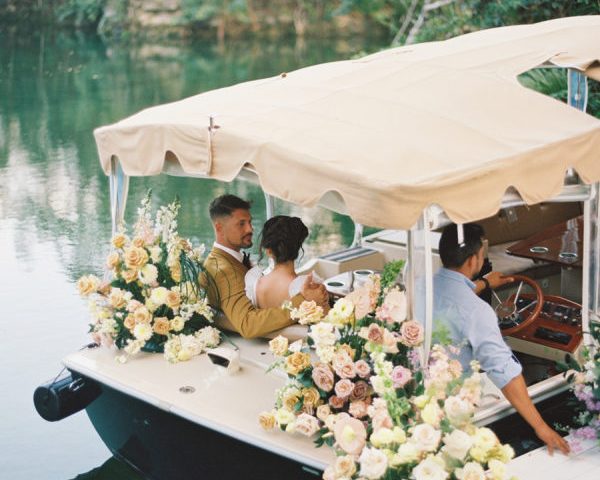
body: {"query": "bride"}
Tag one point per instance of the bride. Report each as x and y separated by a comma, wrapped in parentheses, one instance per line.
(281, 239)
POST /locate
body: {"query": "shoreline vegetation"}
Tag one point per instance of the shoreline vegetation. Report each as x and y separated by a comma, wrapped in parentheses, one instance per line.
(164, 24)
(402, 21)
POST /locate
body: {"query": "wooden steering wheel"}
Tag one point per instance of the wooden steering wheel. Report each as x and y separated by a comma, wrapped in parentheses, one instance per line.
(510, 318)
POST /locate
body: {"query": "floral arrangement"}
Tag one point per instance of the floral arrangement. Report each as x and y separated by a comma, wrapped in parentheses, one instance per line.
(585, 378)
(368, 392)
(154, 301)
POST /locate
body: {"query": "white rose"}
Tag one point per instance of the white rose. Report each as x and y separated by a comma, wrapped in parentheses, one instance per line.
(148, 274)
(458, 410)
(381, 437)
(407, 453)
(159, 295)
(142, 331)
(471, 471)
(425, 437)
(373, 463)
(485, 439)
(177, 324)
(457, 444)
(284, 416)
(155, 253)
(497, 469)
(432, 468)
(208, 336)
(432, 414)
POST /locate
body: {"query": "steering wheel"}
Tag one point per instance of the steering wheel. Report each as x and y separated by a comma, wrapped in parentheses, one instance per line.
(510, 320)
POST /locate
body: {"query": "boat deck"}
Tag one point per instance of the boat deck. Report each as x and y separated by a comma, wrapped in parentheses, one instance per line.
(582, 464)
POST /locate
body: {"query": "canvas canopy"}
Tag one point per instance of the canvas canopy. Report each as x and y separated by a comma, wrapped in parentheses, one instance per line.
(442, 123)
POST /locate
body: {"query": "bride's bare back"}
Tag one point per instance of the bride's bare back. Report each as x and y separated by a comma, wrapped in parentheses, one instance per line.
(273, 289)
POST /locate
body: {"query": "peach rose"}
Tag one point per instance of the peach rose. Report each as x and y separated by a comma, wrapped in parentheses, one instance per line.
(119, 240)
(161, 325)
(175, 271)
(117, 299)
(142, 315)
(307, 313)
(129, 322)
(135, 257)
(323, 411)
(113, 260)
(296, 362)
(173, 299)
(267, 420)
(358, 409)
(375, 333)
(138, 242)
(88, 284)
(411, 333)
(323, 377)
(129, 275)
(336, 402)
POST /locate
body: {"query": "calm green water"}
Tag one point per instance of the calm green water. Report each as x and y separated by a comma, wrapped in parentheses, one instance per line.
(55, 88)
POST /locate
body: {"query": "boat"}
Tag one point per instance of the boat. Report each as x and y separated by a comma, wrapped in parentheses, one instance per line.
(406, 140)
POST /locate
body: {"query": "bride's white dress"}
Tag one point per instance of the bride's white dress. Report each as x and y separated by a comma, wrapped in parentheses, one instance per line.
(254, 275)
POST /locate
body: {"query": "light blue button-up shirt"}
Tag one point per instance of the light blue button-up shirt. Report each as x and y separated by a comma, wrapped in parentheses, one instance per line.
(472, 325)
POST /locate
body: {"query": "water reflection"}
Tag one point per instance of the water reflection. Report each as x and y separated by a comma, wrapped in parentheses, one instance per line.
(55, 88)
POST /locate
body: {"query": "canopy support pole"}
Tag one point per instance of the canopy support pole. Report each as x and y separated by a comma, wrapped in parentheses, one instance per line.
(591, 263)
(358, 234)
(118, 186)
(270, 205)
(577, 97)
(428, 282)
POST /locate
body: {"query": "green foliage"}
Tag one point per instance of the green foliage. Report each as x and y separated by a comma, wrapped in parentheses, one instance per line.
(390, 273)
(81, 12)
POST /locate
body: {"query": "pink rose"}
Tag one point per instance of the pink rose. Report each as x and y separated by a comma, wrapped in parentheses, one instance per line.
(382, 419)
(344, 388)
(401, 376)
(362, 369)
(362, 300)
(323, 377)
(412, 333)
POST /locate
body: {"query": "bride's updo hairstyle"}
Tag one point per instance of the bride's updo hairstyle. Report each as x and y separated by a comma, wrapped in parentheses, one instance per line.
(284, 236)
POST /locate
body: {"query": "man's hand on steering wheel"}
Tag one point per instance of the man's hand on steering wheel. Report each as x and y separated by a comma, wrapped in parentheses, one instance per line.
(494, 280)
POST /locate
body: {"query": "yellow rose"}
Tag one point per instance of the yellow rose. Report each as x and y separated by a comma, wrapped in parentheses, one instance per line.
(161, 325)
(136, 257)
(173, 299)
(296, 362)
(142, 315)
(278, 345)
(184, 355)
(176, 272)
(311, 396)
(113, 260)
(267, 420)
(119, 240)
(290, 399)
(129, 275)
(88, 284)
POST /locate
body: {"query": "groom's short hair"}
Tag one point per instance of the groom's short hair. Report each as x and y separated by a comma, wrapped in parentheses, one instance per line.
(224, 206)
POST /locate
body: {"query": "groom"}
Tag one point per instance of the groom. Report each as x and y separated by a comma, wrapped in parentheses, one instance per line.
(227, 266)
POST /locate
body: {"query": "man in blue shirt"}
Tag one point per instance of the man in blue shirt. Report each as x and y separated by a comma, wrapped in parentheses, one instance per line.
(473, 325)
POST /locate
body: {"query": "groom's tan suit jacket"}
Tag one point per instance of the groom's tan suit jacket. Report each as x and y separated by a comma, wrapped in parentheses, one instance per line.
(227, 293)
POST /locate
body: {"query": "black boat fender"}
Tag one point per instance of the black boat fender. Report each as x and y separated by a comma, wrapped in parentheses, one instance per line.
(64, 396)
